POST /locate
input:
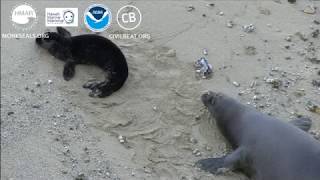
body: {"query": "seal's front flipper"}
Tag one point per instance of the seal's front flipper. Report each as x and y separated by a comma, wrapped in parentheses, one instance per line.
(68, 71)
(303, 123)
(218, 165)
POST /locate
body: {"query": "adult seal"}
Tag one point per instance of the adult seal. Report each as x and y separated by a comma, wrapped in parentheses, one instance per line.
(265, 148)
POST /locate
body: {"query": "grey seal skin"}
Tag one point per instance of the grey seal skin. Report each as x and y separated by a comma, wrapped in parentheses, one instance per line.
(265, 148)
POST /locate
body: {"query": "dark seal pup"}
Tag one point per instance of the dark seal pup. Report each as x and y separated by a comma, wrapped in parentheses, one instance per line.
(265, 148)
(88, 49)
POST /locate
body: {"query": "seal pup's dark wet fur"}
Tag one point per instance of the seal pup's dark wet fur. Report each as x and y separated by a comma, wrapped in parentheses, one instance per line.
(88, 49)
(265, 148)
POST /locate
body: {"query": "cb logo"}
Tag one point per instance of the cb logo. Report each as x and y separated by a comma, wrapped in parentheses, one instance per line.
(129, 17)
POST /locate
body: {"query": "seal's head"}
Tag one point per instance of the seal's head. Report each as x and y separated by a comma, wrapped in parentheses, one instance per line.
(57, 43)
(210, 98)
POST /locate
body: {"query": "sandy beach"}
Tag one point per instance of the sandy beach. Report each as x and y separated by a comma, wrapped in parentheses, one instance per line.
(52, 129)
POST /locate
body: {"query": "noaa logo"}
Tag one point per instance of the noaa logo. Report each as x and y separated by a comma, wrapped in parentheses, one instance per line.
(23, 17)
(97, 17)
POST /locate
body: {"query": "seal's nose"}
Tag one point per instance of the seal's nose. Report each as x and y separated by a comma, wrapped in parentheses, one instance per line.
(38, 41)
(207, 97)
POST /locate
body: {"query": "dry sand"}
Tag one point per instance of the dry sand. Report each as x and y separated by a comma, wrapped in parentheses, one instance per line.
(56, 131)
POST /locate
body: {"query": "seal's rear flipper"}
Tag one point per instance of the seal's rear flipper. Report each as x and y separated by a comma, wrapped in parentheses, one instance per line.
(303, 123)
(231, 162)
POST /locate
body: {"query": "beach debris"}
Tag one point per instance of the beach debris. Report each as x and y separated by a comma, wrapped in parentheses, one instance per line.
(122, 139)
(236, 84)
(190, 8)
(250, 50)
(203, 68)
(309, 9)
(205, 51)
(316, 83)
(248, 28)
(50, 81)
(313, 107)
(291, 1)
(230, 24)
(221, 13)
(315, 33)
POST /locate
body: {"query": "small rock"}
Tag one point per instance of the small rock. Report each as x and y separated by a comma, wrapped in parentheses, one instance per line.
(190, 8)
(291, 1)
(193, 140)
(10, 113)
(171, 53)
(288, 38)
(230, 24)
(312, 107)
(236, 84)
(205, 51)
(50, 81)
(155, 108)
(316, 83)
(248, 28)
(147, 170)
(250, 50)
(81, 176)
(253, 84)
(301, 36)
(122, 139)
(195, 151)
(288, 57)
(276, 83)
(309, 9)
(264, 11)
(315, 33)
(208, 148)
(211, 5)
(37, 84)
(317, 22)
(315, 134)
(221, 13)
(36, 106)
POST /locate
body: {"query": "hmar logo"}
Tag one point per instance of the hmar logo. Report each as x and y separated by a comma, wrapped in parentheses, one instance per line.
(97, 17)
(23, 17)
